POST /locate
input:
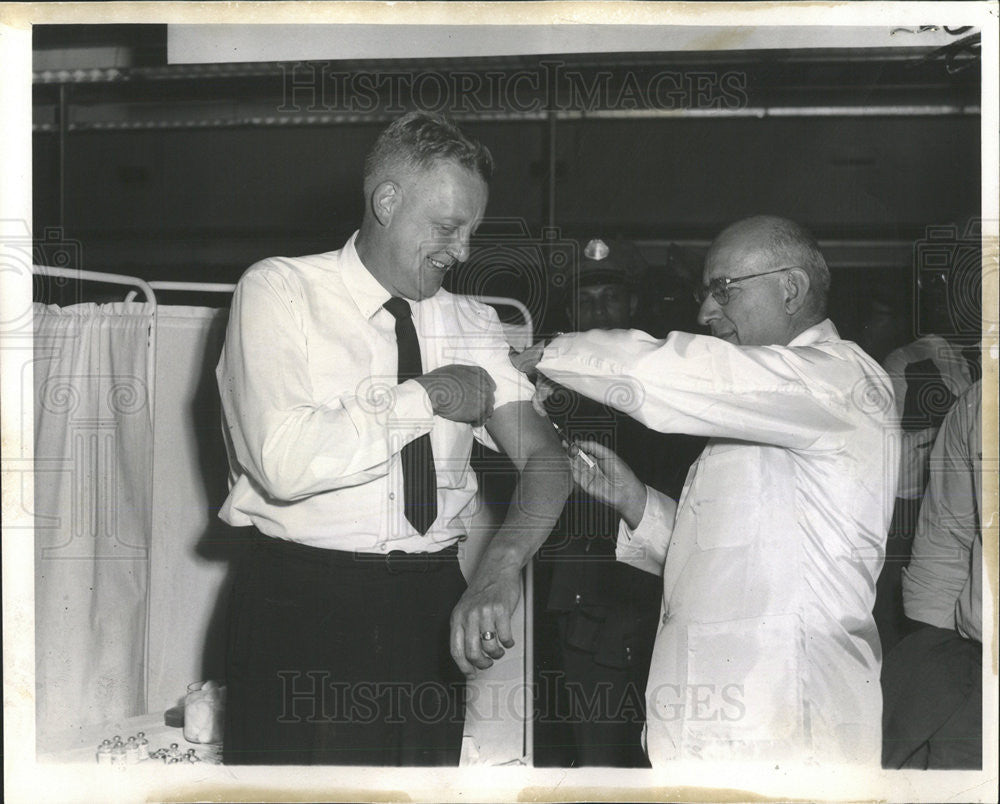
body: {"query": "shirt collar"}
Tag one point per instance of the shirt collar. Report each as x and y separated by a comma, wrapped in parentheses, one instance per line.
(823, 331)
(365, 289)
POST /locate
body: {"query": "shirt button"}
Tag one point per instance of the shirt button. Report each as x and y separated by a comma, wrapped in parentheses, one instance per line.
(392, 495)
(578, 599)
(665, 618)
(383, 547)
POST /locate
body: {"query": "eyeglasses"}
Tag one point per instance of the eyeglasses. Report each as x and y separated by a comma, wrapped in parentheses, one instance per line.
(719, 287)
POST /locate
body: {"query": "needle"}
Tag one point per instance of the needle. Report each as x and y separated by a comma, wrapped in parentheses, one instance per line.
(583, 455)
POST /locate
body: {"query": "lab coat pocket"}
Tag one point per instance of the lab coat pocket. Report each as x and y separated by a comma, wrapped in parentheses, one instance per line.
(744, 698)
(726, 494)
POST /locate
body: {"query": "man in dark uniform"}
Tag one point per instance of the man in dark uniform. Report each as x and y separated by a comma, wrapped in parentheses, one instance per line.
(603, 614)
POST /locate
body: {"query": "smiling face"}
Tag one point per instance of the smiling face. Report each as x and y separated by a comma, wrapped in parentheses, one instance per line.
(755, 314)
(428, 218)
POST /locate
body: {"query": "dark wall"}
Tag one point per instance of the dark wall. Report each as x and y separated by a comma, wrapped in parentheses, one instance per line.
(203, 204)
(173, 203)
(874, 177)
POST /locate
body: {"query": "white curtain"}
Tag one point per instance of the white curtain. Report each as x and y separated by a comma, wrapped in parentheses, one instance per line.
(93, 503)
(192, 547)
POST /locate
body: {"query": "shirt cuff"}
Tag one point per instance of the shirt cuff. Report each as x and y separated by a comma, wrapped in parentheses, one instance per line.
(645, 546)
(411, 414)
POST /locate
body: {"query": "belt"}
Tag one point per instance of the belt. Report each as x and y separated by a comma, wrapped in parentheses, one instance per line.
(393, 562)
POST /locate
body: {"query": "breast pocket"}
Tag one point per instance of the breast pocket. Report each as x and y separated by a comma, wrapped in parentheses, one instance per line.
(726, 496)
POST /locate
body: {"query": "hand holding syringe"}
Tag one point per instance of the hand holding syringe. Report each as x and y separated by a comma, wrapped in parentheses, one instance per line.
(573, 450)
(606, 477)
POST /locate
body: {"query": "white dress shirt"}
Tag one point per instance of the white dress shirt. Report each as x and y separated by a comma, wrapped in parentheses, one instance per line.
(943, 585)
(315, 420)
(767, 649)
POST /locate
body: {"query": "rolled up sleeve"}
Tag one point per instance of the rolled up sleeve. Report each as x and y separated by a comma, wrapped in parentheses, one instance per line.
(484, 344)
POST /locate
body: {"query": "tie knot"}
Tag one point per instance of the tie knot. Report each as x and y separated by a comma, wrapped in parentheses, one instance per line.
(399, 308)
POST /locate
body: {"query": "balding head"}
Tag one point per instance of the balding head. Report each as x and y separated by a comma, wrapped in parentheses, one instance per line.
(781, 242)
(786, 286)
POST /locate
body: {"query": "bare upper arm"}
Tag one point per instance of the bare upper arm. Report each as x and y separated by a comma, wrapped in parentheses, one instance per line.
(521, 433)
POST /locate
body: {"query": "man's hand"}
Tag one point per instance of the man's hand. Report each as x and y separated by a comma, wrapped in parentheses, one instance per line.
(485, 608)
(610, 480)
(544, 388)
(460, 393)
(526, 361)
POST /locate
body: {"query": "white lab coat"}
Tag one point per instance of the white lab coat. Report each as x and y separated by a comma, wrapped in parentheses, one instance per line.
(767, 649)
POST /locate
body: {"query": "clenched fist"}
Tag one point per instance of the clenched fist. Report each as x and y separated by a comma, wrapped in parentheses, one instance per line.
(460, 393)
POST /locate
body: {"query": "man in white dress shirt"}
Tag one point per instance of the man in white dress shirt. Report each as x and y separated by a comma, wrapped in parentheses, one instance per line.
(352, 387)
(932, 680)
(767, 649)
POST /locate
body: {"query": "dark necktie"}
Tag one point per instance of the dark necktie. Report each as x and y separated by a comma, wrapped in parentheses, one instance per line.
(419, 477)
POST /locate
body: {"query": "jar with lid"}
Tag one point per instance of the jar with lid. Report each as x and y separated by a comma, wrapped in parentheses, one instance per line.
(204, 706)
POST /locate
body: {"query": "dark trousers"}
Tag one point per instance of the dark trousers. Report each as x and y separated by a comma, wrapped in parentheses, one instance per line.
(933, 698)
(607, 706)
(892, 622)
(342, 659)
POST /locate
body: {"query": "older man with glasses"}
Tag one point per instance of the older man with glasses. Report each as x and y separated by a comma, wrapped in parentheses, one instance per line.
(766, 650)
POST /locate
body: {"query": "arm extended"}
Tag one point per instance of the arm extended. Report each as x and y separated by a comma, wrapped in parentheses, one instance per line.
(796, 397)
(541, 491)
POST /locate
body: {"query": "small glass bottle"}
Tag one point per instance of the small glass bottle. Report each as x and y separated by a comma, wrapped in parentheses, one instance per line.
(104, 753)
(118, 754)
(132, 751)
(143, 746)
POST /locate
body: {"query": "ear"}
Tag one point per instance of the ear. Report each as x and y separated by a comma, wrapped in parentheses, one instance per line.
(385, 199)
(796, 288)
